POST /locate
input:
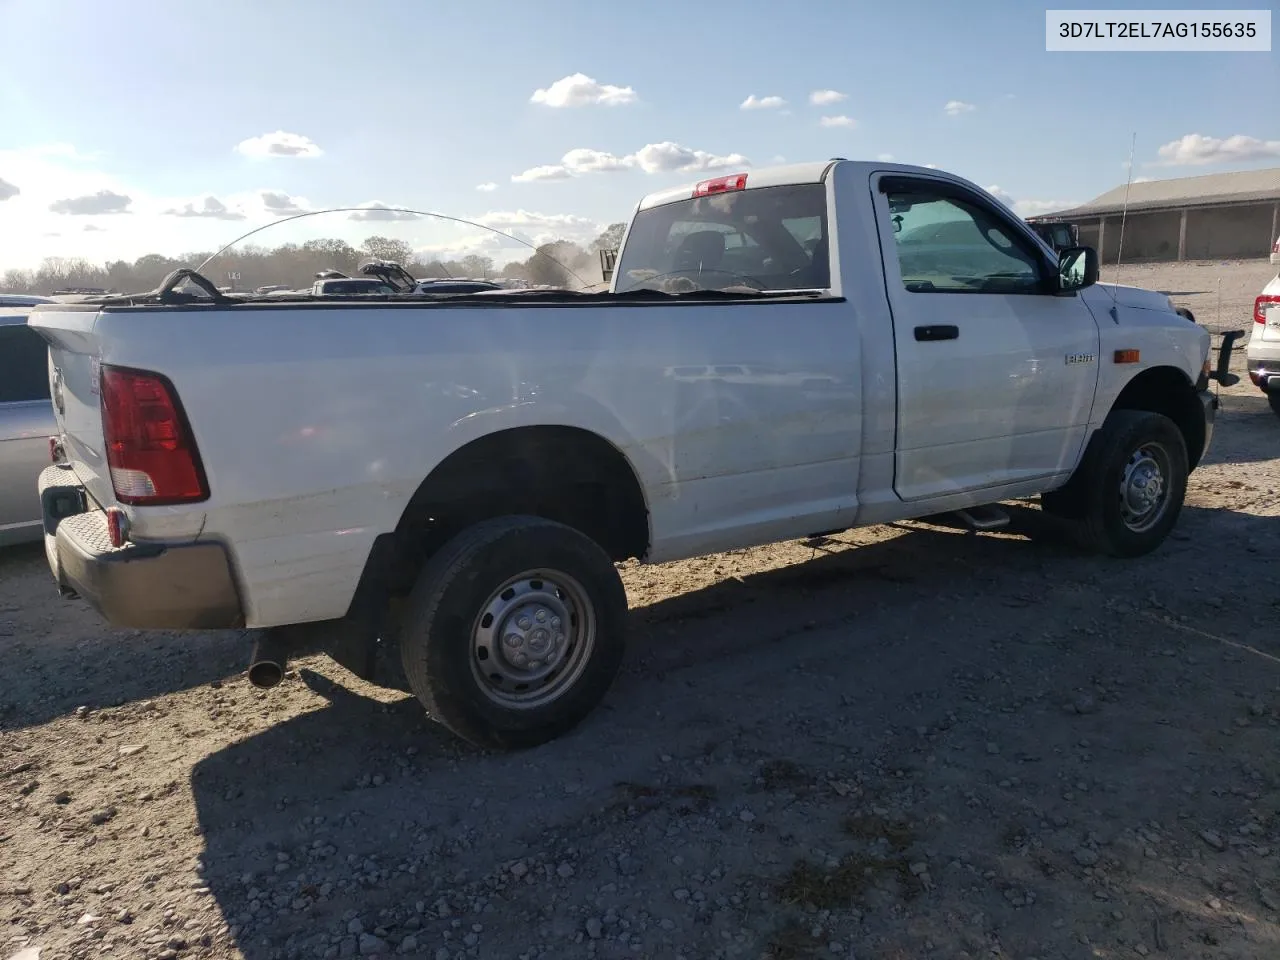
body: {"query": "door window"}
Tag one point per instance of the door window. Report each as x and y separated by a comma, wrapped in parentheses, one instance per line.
(24, 364)
(947, 245)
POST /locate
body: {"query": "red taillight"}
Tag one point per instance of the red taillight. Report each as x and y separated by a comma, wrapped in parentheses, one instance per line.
(737, 181)
(150, 449)
(1260, 307)
(117, 526)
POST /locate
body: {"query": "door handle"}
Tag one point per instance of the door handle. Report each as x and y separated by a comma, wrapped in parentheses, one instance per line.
(939, 332)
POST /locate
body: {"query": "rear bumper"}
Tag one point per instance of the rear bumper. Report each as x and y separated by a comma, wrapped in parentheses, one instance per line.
(147, 586)
(1265, 374)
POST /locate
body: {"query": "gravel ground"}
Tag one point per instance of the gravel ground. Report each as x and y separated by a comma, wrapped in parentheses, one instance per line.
(1219, 292)
(937, 744)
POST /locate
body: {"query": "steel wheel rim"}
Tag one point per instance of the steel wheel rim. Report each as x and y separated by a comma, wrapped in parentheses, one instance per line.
(1144, 487)
(532, 639)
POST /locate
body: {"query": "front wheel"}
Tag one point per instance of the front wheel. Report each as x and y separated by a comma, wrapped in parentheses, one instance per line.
(514, 631)
(1132, 485)
(1273, 398)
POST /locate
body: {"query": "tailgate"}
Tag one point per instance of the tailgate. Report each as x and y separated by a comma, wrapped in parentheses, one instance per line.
(75, 384)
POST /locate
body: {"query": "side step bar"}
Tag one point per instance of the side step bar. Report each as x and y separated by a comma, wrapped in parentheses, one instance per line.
(989, 517)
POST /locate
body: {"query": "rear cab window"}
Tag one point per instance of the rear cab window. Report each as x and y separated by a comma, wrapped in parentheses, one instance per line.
(24, 363)
(763, 238)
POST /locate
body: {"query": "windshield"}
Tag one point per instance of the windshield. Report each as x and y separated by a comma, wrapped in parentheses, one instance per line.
(768, 238)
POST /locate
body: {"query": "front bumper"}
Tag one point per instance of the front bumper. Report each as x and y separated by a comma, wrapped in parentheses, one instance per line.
(148, 586)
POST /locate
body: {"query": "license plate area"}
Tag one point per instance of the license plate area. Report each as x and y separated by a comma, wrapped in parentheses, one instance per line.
(58, 503)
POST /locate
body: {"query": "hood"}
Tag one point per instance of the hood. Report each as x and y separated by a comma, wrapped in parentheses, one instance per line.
(1136, 297)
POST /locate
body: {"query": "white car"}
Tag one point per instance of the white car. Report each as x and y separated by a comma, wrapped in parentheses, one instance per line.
(1263, 353)
(457, 477)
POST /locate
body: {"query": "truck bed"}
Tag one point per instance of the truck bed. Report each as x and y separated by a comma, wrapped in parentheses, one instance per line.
(317, 418)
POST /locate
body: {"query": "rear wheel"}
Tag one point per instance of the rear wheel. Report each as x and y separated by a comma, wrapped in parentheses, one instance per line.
(514, 631)
(1129, 489)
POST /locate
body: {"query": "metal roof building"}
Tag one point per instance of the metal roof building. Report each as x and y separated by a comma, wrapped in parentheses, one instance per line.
(1216, 216)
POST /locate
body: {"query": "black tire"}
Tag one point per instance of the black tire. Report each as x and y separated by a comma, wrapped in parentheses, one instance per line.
(444, 616)
(1273, 398)
(1095, 501)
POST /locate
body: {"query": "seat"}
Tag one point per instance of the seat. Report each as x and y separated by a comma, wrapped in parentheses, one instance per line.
(703, 250)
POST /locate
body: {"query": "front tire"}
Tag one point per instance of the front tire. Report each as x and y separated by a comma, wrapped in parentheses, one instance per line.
(1273, 398)
(514, 631)
(1132, 484)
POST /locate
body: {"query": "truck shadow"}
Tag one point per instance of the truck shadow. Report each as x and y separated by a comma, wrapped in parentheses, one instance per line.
(54, 664)
(364, 809)
(1247, 429)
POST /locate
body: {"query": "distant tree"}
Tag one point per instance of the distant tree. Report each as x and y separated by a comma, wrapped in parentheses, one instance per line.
(476, 266)
(18, 281)
(554, 263)
(384, 248)
(609, 239)
(557, 263)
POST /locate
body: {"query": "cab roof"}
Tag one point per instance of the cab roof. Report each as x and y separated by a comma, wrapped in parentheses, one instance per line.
(782, 175)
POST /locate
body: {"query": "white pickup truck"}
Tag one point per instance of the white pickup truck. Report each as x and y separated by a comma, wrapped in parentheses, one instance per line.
(785, 352)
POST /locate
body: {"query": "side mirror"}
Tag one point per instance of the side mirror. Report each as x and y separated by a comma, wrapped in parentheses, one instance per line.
(1077, 269)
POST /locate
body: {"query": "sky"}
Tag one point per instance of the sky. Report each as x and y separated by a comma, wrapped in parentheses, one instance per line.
(146, 127)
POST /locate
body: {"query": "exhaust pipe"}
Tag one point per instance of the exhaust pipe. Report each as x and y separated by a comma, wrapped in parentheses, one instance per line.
(268, 661)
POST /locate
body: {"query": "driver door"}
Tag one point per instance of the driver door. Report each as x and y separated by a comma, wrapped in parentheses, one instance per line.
(996, 372)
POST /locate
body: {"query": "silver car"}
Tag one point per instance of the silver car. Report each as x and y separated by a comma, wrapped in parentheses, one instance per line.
(26, 423)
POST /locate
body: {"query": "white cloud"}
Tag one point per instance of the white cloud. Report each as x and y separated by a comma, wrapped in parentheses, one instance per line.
(956, 107)
(93, 204)
(1142, 179)
(762, 103)
(1029, 208)
(1002, 195)
(487, 187)
(7, 190)
(838, 121)
(579, 90)
(577, 161)
(824, 98)
(91, 228)
(665, 157)
(1195, 150)
(280, 204)
(210, 207)
(548, 171)
(511, 220)
(931, 166)
(885, 157)
(279, 144)
(585, 160)
(377, 210)
(668, 157)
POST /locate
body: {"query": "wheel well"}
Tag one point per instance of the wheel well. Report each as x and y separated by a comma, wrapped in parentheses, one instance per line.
(1167, 390)
(565, 474)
